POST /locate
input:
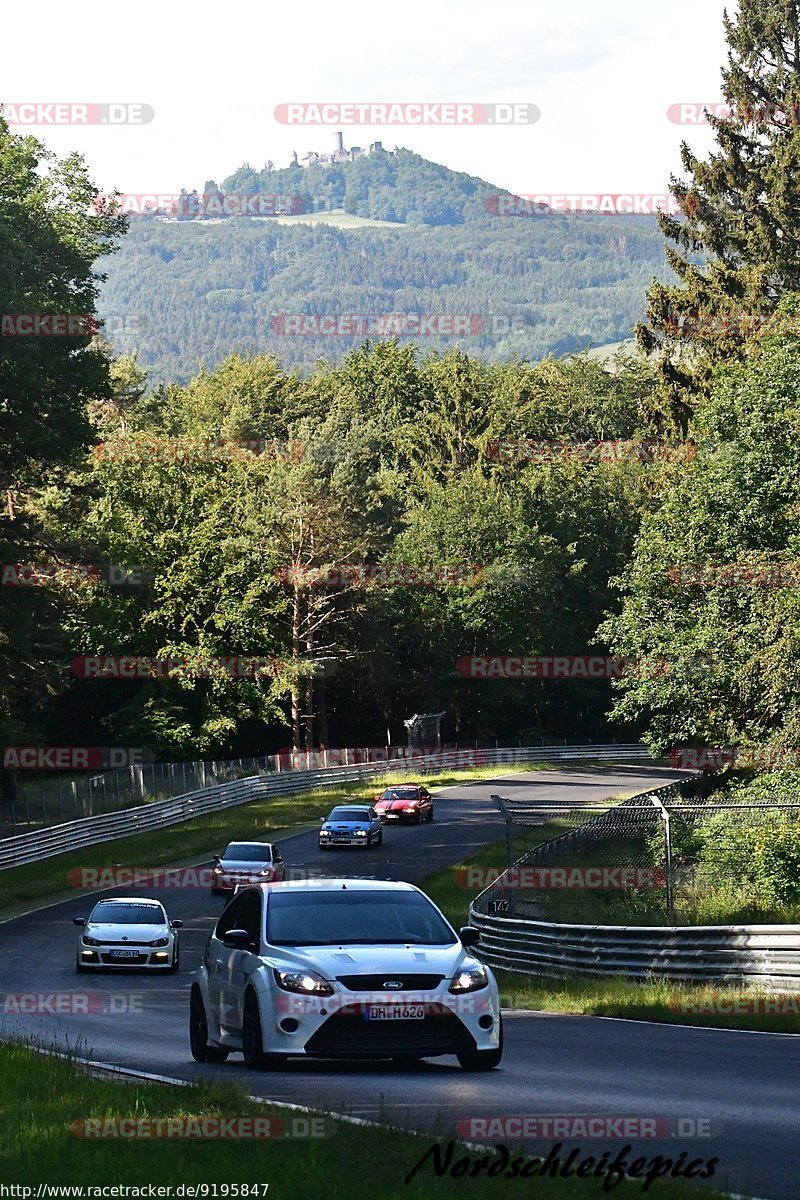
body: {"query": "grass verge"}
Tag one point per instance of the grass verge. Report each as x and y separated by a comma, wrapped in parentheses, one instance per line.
(43, 1097)
(22, 888)
(656, 1000)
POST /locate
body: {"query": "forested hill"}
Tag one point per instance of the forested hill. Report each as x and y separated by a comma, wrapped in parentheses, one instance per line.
(186, 291)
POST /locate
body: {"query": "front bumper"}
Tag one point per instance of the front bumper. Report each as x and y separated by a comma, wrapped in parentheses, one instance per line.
(341, 1026)
(342, 839)
(146, 956)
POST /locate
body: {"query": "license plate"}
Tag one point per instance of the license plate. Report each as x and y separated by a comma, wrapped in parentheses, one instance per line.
(123, 953)
(395, 1012)
(344, 840)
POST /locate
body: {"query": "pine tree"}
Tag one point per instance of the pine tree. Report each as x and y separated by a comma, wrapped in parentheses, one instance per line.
(736, 242)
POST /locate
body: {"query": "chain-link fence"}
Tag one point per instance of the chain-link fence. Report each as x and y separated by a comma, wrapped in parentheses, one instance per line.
(659, 858)
(47, 800)
(52, 800)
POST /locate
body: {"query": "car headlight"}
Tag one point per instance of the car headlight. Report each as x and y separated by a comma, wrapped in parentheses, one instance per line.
(162, 941)
(469, 979)
(217, 870)
(265, 871)
(361, 833)
(324, 833)
(90, 941)
(308, 983)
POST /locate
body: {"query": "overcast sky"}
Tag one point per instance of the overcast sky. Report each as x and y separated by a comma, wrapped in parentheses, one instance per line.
(603, 76)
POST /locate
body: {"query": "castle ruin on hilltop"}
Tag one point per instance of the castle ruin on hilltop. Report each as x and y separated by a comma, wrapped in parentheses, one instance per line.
(338, 155)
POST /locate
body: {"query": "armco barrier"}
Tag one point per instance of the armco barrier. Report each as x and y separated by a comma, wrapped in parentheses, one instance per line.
(767, 955)
(89, 831)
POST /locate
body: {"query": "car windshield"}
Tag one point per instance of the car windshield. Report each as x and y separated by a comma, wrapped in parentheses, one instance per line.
(350, 916)
(107, 913)
(349, 814)
(401, 794)
(244, 853)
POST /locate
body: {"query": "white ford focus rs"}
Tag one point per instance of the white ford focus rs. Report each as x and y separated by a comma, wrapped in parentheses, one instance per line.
(128, 932)
(342, 968)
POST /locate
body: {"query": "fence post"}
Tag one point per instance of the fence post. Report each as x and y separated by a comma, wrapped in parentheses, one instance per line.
(664, 814)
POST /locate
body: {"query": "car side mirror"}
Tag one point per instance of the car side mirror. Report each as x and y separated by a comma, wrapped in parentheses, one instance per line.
(79, 920)
(237, 939)
(470, 936)
(217, 859)
(177, 924)
(322, 820)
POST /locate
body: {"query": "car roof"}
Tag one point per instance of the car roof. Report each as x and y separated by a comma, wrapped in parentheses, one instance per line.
(235, 842)
(129, 900)
(355, 804)
(393, 787)
(337, 885)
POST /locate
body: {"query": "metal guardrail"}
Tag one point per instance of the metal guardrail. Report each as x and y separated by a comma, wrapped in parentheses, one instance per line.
(765, 954)
(768, 955)
(90, 831)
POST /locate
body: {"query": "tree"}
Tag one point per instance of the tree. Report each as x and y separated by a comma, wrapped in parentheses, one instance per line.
(51, 236)
(735, 245)
(732, 645)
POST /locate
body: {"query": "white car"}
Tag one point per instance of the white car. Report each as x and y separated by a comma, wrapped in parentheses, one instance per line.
(246, 862)
(128, 932)
(342, 968)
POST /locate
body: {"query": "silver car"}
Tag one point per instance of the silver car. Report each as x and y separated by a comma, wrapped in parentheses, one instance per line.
(246, 862)
(342, 968)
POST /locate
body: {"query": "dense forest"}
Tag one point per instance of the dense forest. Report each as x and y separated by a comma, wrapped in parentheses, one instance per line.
(259, 507)
(186, 290)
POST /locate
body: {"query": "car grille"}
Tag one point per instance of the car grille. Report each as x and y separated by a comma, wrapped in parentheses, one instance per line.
(124, 945)
(375, 983)
(124, 962)
(353, 1037)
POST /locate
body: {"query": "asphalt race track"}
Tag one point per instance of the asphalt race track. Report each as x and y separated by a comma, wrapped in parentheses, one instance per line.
(744, 1086)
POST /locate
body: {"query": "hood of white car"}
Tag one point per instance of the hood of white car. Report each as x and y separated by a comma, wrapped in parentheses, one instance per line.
(235, 864)
(331, 961)
(131, 933)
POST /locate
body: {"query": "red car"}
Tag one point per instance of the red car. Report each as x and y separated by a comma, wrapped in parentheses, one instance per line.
(405, 802)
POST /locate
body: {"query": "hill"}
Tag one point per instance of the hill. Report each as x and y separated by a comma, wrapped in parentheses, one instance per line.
(190, 290)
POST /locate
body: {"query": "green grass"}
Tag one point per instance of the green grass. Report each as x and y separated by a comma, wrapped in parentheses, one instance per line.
(25, 887)
(656, 1000)
(43, 1096)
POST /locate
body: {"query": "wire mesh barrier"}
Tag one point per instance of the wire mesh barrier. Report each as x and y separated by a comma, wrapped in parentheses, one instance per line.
(53, 800)
(660, 885)
(659, 858)
(47, 801)
(31, 845)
